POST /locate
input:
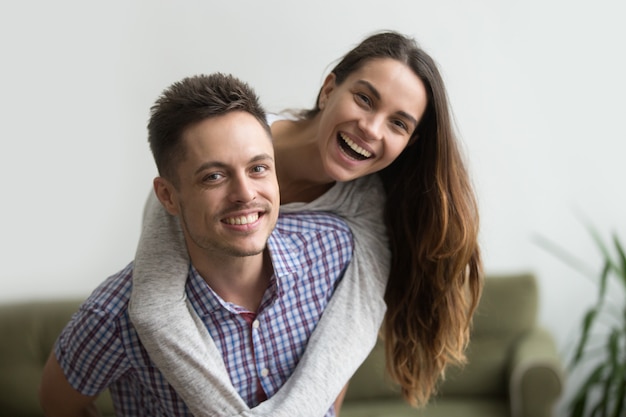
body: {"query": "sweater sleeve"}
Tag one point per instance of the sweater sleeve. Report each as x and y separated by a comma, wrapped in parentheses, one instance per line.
(174, 336)
(182, 348)
(333, 354)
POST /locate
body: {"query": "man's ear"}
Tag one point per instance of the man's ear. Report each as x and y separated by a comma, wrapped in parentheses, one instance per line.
(167, 195)
(327, 88)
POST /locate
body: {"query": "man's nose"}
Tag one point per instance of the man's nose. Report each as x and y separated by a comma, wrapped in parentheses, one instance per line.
(242, 189)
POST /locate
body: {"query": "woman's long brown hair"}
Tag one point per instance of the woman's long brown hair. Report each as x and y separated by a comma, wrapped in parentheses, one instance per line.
(432, 217)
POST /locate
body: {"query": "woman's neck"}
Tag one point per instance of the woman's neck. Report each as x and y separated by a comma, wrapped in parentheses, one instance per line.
(301, 174)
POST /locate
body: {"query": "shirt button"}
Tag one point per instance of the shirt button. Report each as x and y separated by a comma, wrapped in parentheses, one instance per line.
(255, 324)
(265, 372)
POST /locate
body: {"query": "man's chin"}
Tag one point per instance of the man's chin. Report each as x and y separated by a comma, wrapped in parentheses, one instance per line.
(245, 251)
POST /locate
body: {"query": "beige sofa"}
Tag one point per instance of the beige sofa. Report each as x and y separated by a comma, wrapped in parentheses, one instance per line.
(514, 369)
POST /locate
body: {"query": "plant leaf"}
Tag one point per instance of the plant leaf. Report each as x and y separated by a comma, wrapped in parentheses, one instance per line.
(621, 396)
(599, 242)
(606, 269)
(615, 376)
(603, 391)
(597, 409)
(622, 257)
(578, 406)
(566, 257)
(580, 399)
(584, 336)
(612, 348)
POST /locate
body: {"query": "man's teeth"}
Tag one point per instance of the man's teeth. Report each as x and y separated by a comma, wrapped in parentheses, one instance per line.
(356, 148)
(251, 218)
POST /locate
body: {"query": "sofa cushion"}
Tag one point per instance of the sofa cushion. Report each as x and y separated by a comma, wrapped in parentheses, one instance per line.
(508, 306)
(29, 331)
(506, 312)
(462, 406)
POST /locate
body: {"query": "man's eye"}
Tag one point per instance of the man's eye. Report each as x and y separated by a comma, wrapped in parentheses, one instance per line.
(259, 169)
(212, 177)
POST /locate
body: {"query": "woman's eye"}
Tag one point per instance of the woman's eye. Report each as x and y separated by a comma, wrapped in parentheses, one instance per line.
(401, 125)
(362, 98)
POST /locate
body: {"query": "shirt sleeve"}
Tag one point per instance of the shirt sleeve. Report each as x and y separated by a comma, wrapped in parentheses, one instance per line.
(90, 351)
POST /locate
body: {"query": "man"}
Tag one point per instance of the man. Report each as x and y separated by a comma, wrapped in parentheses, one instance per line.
(258, 294)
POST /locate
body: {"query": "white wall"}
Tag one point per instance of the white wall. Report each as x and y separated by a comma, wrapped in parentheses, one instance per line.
(537, 87)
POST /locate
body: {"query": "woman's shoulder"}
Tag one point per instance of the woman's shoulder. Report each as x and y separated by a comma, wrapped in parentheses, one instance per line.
(367, 187)
(363, 196)
(277, 117)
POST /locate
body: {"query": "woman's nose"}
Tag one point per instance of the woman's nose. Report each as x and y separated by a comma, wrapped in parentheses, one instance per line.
(372, 126)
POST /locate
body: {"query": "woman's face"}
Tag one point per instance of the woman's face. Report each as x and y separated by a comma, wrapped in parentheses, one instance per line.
(367, 121)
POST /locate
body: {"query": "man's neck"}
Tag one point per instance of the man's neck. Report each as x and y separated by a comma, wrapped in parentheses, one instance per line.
(238, 280)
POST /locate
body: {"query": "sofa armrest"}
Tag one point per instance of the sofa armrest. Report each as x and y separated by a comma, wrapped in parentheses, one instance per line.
(535, 375)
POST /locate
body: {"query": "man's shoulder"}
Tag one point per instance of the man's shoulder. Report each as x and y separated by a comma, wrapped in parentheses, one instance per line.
(113, 294)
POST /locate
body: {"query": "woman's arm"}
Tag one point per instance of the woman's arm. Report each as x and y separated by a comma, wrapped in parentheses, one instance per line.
(180, 345)
(348, 329)
(174, 336)
(340, 343)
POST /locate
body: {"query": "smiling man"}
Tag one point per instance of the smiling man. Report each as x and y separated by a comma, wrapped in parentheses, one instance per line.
(258, 282)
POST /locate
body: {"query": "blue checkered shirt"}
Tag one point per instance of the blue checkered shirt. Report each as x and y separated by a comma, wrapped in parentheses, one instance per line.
(99, 348)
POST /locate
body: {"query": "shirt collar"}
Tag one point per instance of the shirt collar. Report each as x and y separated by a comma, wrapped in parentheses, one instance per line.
(286, 260)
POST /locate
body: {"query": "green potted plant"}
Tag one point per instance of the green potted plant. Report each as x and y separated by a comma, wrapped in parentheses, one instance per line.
(601, 344)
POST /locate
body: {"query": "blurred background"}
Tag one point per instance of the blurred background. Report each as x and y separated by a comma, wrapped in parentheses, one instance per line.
(537, 89)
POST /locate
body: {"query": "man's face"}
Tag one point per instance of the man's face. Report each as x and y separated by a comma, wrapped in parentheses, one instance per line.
(227, 195)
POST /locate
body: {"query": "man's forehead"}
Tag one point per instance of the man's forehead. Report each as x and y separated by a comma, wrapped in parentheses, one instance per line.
(235, 131)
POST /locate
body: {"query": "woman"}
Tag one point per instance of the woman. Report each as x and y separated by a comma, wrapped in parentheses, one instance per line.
(378, 149)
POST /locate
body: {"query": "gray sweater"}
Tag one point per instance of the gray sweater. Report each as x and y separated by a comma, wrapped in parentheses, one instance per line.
(182, 348)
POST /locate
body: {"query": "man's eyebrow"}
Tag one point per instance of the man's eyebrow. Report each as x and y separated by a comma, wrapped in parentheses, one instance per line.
(262, 157)
(376, 94)
(218, 164)
(209, 165)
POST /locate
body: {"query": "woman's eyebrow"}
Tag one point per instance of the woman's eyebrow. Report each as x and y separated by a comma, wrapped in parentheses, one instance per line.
(370, 87)
(407, 116)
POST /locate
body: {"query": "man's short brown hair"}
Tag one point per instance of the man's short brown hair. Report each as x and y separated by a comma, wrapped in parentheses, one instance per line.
(189, 101)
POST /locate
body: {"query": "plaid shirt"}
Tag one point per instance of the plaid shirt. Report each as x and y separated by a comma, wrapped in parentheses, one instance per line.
(99, 348)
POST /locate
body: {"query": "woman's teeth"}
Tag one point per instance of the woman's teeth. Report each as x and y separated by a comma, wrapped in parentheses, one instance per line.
(356, 148)
(251, 218)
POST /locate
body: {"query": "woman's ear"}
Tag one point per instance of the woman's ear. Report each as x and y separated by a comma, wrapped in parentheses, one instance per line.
(327, 88)
(167, 195)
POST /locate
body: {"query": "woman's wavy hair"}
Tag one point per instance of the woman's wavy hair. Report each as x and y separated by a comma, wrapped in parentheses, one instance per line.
(436, 280)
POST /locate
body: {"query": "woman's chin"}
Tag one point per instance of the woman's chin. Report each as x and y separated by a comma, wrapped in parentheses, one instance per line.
(340, 174)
